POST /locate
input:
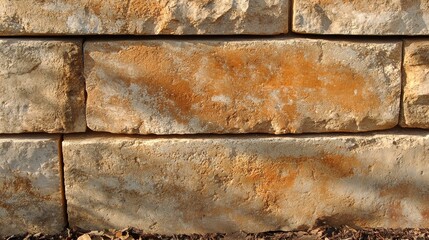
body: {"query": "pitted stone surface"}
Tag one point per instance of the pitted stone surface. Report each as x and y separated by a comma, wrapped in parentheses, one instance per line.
(182, 17)
(253, 184)
(41, 86)
(271, 86)
(416, 85)
(358, 17)
(30, 185)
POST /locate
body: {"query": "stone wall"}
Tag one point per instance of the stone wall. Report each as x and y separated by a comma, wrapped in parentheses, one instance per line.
(186, 116)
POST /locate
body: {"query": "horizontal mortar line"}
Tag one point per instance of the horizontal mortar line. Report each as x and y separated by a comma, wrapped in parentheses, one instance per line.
(248, 38)
(393, 131)
(107, 37)
(31, 135)
(358, 37)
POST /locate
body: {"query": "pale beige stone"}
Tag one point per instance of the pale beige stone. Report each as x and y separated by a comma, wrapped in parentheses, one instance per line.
(41, 86)
(416, 85)
(248, 183)
(272, 86)
(359, 17)
(181, 17)
(30, 185)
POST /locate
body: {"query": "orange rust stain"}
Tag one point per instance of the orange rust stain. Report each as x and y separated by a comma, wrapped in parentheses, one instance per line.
(275, 177)
(271, 180)
(364, 6)
(401, 191)
(245, 180)
(150, 8)
(405, 189)
(18, 184)
(340, 165)
(103, 7)
(95, 6)
(328, 168)
(276, 78)
(158, 77)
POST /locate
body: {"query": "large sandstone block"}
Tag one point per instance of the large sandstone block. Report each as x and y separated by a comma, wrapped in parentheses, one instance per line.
(182, 17)
(416, 85)
(358, 17)
(271, 86)
(30, 185)
(41, 86)
(250, 183)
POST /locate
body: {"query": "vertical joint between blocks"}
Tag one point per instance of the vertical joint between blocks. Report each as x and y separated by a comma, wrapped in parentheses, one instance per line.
(62, 179)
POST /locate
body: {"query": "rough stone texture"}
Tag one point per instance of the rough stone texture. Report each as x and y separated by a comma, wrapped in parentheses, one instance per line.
(273, 86)
(35, 17)
(215, 184)
(416, 85)
(375, 17)
(41, 86)
(30, 185)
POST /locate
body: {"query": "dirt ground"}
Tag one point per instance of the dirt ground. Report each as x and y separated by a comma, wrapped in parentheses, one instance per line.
(324, 232)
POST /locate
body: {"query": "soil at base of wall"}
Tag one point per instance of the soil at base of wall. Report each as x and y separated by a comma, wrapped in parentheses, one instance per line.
(325, 232)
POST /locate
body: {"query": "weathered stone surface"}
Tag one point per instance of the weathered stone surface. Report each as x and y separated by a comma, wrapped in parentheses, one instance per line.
(273, 86)
(375, 17)
(30, 185)
(253, 183)
(41, 86)
(143, 17)
(416, 85)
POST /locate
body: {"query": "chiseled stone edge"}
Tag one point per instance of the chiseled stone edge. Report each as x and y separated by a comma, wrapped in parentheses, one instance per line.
(407, 118)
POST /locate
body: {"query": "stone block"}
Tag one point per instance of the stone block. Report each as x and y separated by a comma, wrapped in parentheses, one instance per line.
(415, 112)
(143, 17)
(270, 86)
(375, 17)
(30, 185)
(250, 183)
(41, 86)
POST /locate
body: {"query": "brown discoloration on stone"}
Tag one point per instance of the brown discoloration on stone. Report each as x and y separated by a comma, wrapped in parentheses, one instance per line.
(407, 201)
(41, 86)
(394, 212)
(339, 165)
(246, 183)
(30, 195)
(123, 17)
(378, 17)
(415, 112)
(275, 86)
(425, 213)
(401, 190)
